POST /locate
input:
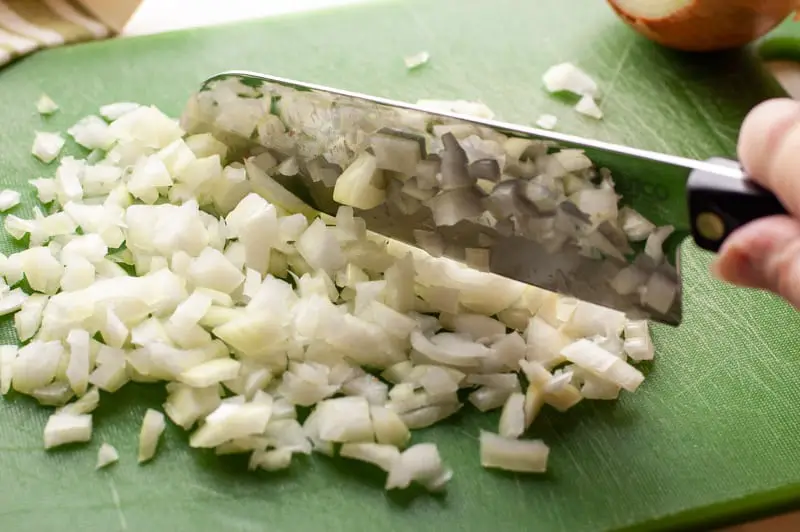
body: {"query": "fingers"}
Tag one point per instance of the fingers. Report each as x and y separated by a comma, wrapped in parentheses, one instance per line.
(769, 149)
(764, 254)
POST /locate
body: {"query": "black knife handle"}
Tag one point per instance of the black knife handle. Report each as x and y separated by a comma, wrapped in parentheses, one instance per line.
(719, 204)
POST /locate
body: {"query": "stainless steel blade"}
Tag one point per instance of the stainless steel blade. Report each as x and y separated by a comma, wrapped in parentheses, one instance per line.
(560, 249)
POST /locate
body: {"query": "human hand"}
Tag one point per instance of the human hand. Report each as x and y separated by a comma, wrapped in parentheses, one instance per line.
(765, 254)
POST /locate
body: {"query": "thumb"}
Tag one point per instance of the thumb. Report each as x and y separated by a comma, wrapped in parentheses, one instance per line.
(763, 254)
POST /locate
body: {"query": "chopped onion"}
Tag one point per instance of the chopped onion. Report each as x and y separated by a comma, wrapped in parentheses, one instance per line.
(588, 355)
(396, 153)
(638, 344)
(416, 60)
(230, 421)
(7, 355)
(78, 368)
(345, 419)
(12, 301)
(512, 420)
(106, 455)
(9, 199)
(67, 428)
(152, 426)
(659, 293)
(270, 460)
(628, 280)
(512, 454)
(47, 146)
(162, 260)
(420, 463)
(85, 405)
(547, 121)
(211, 372)
(113, 111)
(362, 184)
(383, 456)
(655, 243)
(389, 428)
(587, 106)
(46, 106)
(545, 342)
(568, 77)
(92, 132)
(635, 226)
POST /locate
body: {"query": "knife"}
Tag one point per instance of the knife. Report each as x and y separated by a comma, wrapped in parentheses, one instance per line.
(516, 201)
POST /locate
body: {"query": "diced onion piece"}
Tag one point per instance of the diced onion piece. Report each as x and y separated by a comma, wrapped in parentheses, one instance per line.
(78, 368)
(185, 405)
(85, 405)
(659, 293)
(547, 121)
(568, 77)
(36, 364)
(450, 349)
(12, 301)
(545, 342)
(67, 428)
(487, 398)
(319, 248)
(383, 456)
(396, 153)
(230, 421)
(345, 419)
(416, 60)
(638, 344)
(587, 106)
(153, 425)
(46, 106)
(388, 427)
(274, 460)
(635, 226)
(462, 107)
(7, 355)
(513, 455)
(588, 355)
(92, 132)
(106, 455)
(9, 199)
(211, 372)
(47, 146)
(628, 280)
(287, 434)
(512, 419)
(115, 110)
(599, 390)
(654, 247)
(419, 463)
(588, 319)
(362, 184)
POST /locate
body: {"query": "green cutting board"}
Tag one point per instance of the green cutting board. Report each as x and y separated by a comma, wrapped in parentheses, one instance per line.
(711, 436)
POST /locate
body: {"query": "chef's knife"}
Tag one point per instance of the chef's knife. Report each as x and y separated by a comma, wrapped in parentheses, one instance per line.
(507, 211)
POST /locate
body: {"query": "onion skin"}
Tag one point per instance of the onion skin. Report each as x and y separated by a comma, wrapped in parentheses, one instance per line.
(710, 25)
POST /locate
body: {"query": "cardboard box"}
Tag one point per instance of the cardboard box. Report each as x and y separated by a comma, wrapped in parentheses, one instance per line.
(113, 13)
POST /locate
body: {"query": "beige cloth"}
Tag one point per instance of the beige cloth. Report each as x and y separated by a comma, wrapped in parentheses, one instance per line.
(29, 25)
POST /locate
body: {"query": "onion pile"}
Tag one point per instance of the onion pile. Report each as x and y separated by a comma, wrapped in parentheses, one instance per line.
(158, 259)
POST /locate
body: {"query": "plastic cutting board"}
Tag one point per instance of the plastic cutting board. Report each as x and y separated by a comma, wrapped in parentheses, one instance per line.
(711, 436)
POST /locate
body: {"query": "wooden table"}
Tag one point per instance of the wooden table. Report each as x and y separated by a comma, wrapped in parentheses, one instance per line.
(154, 16)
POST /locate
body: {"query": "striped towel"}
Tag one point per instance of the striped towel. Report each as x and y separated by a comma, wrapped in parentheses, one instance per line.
(28, 25)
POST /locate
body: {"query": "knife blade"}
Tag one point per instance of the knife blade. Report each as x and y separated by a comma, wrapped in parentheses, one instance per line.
(494, 195)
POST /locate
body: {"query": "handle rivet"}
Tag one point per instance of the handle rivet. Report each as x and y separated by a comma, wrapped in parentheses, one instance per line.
(710, 226)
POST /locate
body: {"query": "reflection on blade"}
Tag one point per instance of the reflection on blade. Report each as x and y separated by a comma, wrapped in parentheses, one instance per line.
(514, 201)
